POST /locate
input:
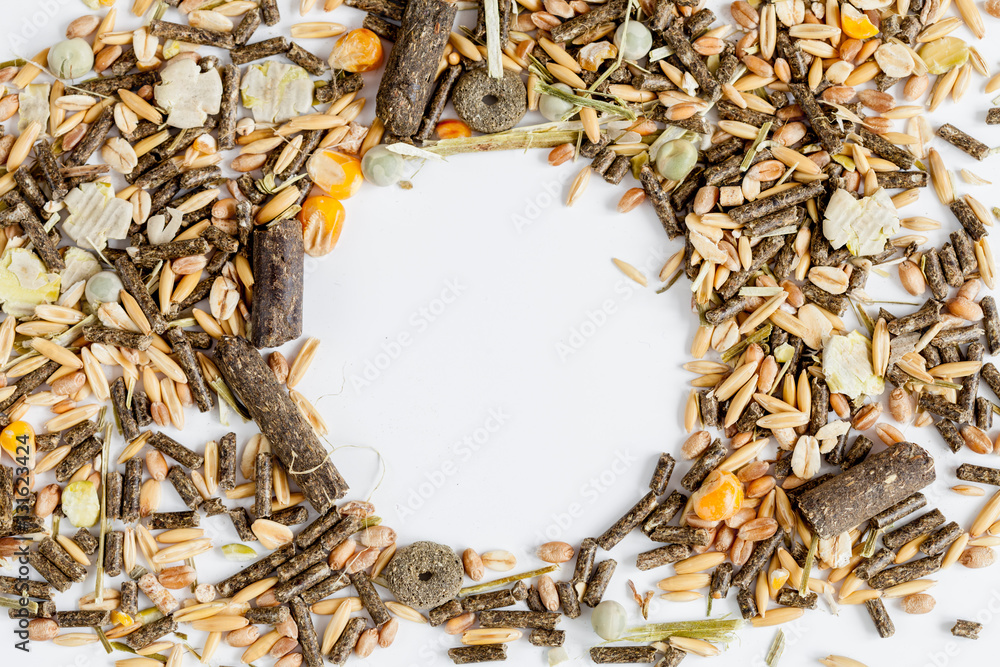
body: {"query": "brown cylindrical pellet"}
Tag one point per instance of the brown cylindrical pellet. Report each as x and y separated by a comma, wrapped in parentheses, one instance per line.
(53, 551)
(267, 615)
(584, 560)
(597, 583)
(661, 474)
(963, 141)
(445, 612)
(660, 200)
(241, 522)
(305, 580)
(82, 619)
(604, 655)
(184, 486)
(291, 516)
(325, 588)
(490, 600)
(131, 486)
(535, 620)
(901, 180)
(276, 311)
(949, 432)
(263, 486)
(901, 574)
(173, 520)
(950, 267)
(48, 570)
(547, 637)
(255, 571)
(939, 405)
(874, 564)
(759, 558)
(79, 456)
(788, 597)
(901, 509)
(636, 515)
(134, 285)
(439, 100)
(148, 634)
(705, 464)
(175, 450)
(369, 598)
(979, 474)
(569, 599)
(965, 251)
(119, 399)
(306, 60)
(345, 644)
(973, 226)
(747, 604)
(315, 530)
(682, 535)
(722, 579)
(665, 512)
(25, 588)
(616, 172)
(92, 140)
(728, 309)
(941, 539)
(880, 617)
(129, 601)
(786, 199)
(576, 26)
(307, 632)
(184, 355)
(763, 252)
(467, 655)
(708, 405)
(227, 462)
(185, 33)
(664, 555)
(114, 542)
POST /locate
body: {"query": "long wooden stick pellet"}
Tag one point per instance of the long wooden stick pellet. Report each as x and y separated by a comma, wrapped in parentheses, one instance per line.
(407, 84)
(292, 438)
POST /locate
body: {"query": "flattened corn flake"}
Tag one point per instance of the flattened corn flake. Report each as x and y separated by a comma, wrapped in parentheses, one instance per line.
(847, 365)
(96, 215)
(188, 94)
(863, 225)
(24, 282)
(276, 92)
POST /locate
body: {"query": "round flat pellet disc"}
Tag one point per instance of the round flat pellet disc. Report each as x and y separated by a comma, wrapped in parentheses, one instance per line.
(490, 105)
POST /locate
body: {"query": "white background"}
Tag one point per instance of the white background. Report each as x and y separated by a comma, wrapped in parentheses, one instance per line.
(562, 443)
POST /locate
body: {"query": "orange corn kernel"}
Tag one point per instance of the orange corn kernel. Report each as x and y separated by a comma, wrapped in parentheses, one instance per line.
(322, 220)
(720, 496)
(18, 440)
(452, 128)
(358, 51)
(856, 24)
(338, 174)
